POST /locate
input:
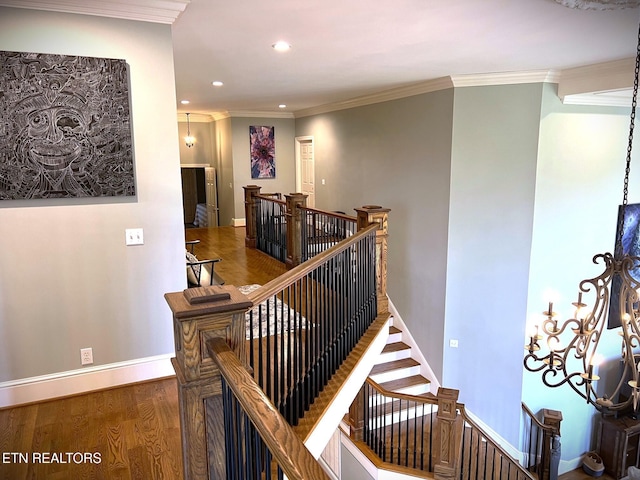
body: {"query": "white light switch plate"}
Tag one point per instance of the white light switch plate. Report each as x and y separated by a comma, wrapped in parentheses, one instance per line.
(134, 236)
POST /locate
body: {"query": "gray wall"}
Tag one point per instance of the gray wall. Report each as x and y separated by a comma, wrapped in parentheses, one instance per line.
(203, 150)
(67, 280)
(396, 154)
(285, 181)
(493, 167)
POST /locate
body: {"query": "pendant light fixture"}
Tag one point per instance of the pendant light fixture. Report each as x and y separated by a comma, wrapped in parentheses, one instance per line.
(189, 140)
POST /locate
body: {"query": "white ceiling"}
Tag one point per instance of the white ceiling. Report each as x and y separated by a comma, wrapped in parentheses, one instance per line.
(345, 49)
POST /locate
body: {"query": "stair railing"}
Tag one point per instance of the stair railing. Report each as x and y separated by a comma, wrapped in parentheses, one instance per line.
(293, 233)
(483, 458)
(259, 443)
(305, 323)
(538, 441)
(430, 434)
(321, 230)
(271, 226)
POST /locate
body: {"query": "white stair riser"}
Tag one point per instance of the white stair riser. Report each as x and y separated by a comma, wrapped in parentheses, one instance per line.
(415, 389)
(396, 374)
(391, 356)
(394, 337)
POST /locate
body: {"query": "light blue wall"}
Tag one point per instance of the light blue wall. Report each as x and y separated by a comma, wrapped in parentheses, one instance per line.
(580, 171)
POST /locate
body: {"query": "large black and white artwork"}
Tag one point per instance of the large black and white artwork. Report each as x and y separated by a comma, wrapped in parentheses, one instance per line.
(65, 127)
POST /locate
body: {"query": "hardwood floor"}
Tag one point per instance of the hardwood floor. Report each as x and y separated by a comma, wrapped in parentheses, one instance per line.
(130, 432)
(239, 265)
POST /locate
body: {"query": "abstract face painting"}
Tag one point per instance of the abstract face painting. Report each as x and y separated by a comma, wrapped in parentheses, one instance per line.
(65, 127)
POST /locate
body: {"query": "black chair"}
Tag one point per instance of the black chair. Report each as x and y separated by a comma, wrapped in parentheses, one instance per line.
(201, 273)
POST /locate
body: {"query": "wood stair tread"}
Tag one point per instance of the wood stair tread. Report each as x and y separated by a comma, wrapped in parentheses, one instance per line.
(404, 382)
(393, 330)
(395, 347)
(394, 365)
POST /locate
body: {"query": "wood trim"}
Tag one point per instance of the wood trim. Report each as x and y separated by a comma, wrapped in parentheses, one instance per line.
(290, 453)
(276, 285)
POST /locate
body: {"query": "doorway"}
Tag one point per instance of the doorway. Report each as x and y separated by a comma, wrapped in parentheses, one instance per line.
(305, 169)
(199, 196)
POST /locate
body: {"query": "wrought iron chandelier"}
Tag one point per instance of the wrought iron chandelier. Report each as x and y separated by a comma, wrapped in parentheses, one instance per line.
(615, 294)
(189, 140)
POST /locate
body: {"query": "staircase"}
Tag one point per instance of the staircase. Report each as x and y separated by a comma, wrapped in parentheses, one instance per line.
(397, 371)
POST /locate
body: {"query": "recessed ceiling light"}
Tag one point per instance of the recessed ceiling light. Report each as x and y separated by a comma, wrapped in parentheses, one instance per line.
(184, 102)
(281, 46)
(282, 105)
(217, 83)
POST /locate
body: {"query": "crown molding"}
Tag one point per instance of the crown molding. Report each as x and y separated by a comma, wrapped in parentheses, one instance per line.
(156, 11)
(443, 83)
(611, 98)
(505, 78)
(392, 94)
(600, 77)
(258, 114)
(215, 116)
(196, 117)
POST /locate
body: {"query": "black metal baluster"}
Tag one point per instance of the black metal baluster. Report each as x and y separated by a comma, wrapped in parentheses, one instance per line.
(260, 372)
(270, 307)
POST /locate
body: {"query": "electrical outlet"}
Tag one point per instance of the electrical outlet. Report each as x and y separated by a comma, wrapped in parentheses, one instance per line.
(453, 343)
(134, 236)
(86, 356)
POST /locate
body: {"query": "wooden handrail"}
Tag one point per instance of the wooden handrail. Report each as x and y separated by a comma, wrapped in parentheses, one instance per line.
(270, 197)
(434, 401)
(290, 453)
(543, 426)
(348, 218)
(276, 285)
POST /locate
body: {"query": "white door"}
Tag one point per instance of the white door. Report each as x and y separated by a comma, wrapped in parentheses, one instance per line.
(212, 196)
(306, 169)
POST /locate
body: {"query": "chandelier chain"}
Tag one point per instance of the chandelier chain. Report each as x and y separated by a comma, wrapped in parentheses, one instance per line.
(627, 171)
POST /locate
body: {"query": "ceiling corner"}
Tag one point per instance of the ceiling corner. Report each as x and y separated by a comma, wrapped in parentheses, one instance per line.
(156, 11)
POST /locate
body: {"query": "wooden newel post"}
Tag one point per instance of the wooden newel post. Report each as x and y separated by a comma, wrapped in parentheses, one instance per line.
(447, 438)
(196, 320)
(366, 216)
(551, 418)
(294, 228)
(250, 214)
(356, 416)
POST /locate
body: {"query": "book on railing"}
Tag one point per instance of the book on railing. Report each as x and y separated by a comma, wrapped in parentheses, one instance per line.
(213, 293)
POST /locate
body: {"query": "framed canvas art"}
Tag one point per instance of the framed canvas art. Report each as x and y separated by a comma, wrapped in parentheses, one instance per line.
(263, 151)
(65, 127)
(630, 246)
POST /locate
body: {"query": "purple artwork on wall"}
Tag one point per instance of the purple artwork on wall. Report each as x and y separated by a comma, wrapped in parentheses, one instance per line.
(263, 151)
(65, 127)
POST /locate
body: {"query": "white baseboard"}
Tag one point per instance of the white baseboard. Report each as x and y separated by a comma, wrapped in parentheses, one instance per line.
(46, 387)
(238, 222)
